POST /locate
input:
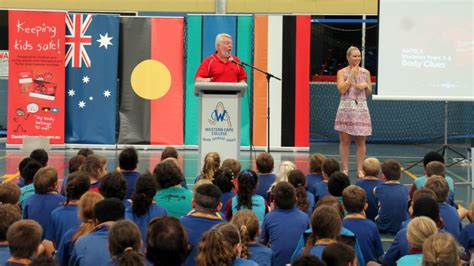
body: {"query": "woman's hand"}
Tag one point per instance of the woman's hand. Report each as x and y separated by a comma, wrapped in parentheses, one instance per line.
(361, 86)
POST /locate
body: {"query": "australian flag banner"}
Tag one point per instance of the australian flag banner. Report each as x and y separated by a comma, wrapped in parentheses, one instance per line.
(92, 43)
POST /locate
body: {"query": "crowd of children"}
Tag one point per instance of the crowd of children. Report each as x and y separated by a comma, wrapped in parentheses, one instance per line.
(231, 217)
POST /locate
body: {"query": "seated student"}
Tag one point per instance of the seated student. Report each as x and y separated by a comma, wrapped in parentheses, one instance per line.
(326, 225)
(246, 199)
(171, 195)
(85, 152)
(24, 239)
(128, 162)
(87, 217)
(440, 249)
(337, 182)
(329, 166)
(308, 260)
(9, 193)
(205, 214)
(28, 172)
(371, 169)
(40, 205)
(234, 166)
(114, 185)
(41, 156)
(355, 203)
(265, 164)
(170, 153)
(65, 217)
(91, 249)
(431, 156)
(221, 246)
(452, 223)
(283, 226)
(248, 225)
(466, 238)
(339, 254)
(393, 199)
(315, 171)
(95, 167)
(21, 165)
(438, 168)
(223, 179)
(423, 205)
(143, 209)
(418, 230)
(212, 162)
(167, 242)
(10, 214)
(125, 244)
(74, 164)
(304, 199)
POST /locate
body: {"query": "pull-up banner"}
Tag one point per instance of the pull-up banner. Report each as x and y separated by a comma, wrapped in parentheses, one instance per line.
(36, 75)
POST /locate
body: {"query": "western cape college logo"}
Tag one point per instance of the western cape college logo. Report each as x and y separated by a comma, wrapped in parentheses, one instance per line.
(220, 114)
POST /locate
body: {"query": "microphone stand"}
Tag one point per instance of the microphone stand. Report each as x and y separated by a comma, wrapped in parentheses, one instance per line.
(268, 76)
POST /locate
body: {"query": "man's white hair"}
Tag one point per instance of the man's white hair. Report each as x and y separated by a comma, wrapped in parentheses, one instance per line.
(220, 36)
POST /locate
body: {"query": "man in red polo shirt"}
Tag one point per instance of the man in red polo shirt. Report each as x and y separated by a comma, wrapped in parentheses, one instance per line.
(219, 67)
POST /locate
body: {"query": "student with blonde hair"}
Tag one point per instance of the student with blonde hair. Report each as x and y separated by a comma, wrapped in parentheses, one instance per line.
(418, 230)
(212, 162)
(440, 249)
(371, 169)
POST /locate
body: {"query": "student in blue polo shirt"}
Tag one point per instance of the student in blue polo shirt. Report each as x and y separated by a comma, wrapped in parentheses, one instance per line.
(143, 208)
(46, 198)
(283, 226)
(452, 223)
(125, 244)
(10, 214)
(92, 249)
(28, 173)
(223, 179)
(265, 165)
(65, 217)
(205, 214)
(114, 185)
(355, 203)
(393, 199)
(128, 162)
(315, 171)
(329, 166)
(418, 231)
(371, 169)
(24, 238)
(304, 199)
(74, 164)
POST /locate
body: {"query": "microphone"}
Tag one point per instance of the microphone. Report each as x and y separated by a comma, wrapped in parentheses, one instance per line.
(231, 59)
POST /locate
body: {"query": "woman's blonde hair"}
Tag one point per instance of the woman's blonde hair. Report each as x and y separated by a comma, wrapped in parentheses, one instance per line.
(86, 213)
(419, 229)
(440, 249)
(350, 49)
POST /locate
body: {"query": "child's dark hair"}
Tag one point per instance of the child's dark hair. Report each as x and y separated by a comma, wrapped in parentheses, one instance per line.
(354, 198)
(167, 175)
(113, 185)
(265, 163)
(247, 180)
(23, 163)
(426, 207)
(284, 195)
(439, 186)
(338, 254)
(125, 244)
(10, 213)
(41, 156)
(298, 180)
(325, 223)
(316, 162)
(308, 260)
(128, 159)
(77, 184)
(217, 246)
(75, 163)
(85, 152)
(145, 190)
(329, 166)
(391, 169)
(233, 165)
(169, 152)
(338, 181)
(45, 180)
(167, 242)
(107, 210)
(42, 260)
(29, 170)
(9, 193)
(207, 196)
(432, 156)
(23, 238)
(223, 179)
(248, 224)
(332, 202)
(93, 165)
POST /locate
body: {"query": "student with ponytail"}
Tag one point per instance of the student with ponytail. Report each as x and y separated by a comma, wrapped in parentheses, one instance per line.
(246, 199)
(304, 199)
(125, 244)
(212, 162)
(248, 225)
(221, 246)
(143, 208)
